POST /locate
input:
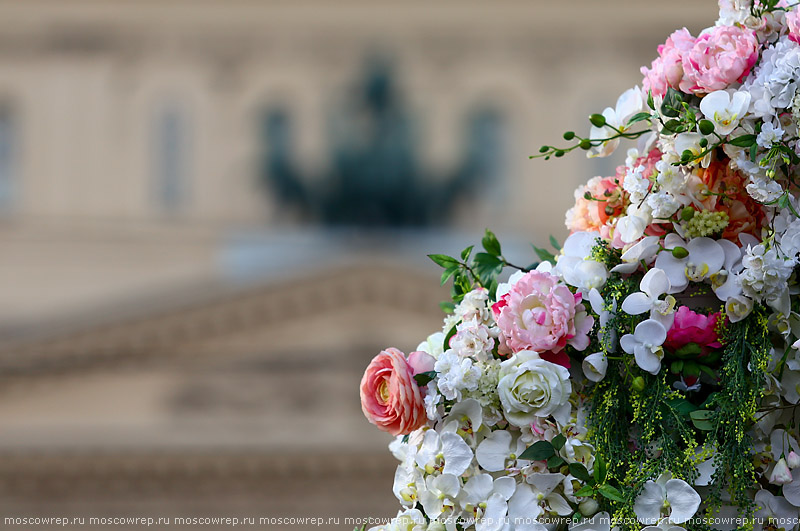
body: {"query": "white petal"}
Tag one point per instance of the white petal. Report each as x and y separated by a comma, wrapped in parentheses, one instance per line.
(650, 332)
(493, 451)
(580, 244)
(675, 269)
(683, 500)
(646, 360)
(545, 482)
(595, 366)
(648, 504)
(628, 343)
(645, 249)
(792, 491)
(596, 301)
(494, 515)
(655, 283)
(706, 251)
(637, 303)
(733, 254)
(558, 504)
(448, 484)
(457, 455)
(477, 489)
(505, 486)
(431, 444)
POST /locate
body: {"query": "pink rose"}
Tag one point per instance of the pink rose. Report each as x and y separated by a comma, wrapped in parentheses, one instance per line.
(667, 69)
(793, 24)
(390, 397)
(540, 313)
(719, 58)
(691, 327)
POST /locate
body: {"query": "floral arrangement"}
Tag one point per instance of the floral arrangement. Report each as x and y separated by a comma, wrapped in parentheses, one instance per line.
(645, 375)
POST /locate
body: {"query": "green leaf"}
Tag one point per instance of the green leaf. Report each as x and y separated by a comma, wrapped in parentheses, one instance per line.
(702, 419)
(682, 406)
(600, 469)
(650, 102)
(448, 337)
(580, 472)
(447, 306)
(424, 378)
(466, 252)
(544, 254)
(555, 461)
(639, 117)
(586, 490)
(538, 451)
(449, 272)
(554, 243)
(490, 243)
(486, 266)
(611, 493)
(443, 260)
(671, 105)
(743, 141)
(559, 441)
(689, 350)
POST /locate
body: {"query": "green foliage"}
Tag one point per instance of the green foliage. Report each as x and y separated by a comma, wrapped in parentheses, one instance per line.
(733, 408)
(424, 378)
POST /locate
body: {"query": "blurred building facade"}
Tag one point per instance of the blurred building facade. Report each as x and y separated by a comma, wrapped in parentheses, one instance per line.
(158, 158)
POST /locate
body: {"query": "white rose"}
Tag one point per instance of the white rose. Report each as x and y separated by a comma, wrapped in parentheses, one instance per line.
(531, 387)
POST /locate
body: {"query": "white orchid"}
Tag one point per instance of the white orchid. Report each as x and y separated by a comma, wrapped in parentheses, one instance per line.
(737, 307)
(524, 509)
(408, 482)
(654, 284)
(704, 258)
(628, 104)
(544, 485)
(595, 366)
(780, 475)
(465, 419)
(632, 226)
(723, 282)
(408, 520)
(499, 451)
(775, 512)
(724, 110)
(645, 345)
(692, 142)
(440, 494)
(674, 495)
(447, 453)
(575, 264)
(645, 250)
(486, 500)
(663, 525)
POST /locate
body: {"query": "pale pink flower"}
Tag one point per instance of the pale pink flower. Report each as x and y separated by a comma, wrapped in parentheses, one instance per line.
(718, 59)
(793, 25)
(667, 69)
(540, 313)
(390, 397)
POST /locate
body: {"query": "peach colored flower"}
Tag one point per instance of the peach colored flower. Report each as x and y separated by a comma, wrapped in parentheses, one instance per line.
(390, 397)
(718, 59)
(722, 189)
(540, 313)
(607, 201)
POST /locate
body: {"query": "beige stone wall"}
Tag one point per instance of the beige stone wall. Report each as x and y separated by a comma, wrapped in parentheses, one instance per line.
(86, 78)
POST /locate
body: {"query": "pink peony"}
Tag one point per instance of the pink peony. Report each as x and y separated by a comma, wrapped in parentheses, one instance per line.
(718, 59)
(691, 327)
(667, 69)
(390, 397)
(540, 313)
(793, 24)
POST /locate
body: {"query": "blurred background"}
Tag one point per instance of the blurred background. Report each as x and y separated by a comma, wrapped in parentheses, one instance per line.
(213, 213)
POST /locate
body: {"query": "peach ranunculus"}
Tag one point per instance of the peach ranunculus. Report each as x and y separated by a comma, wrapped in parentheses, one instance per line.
(390, 397)
(540, 313)
(720, 188)
(607, 201)
(667, 69)
(718, 59)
